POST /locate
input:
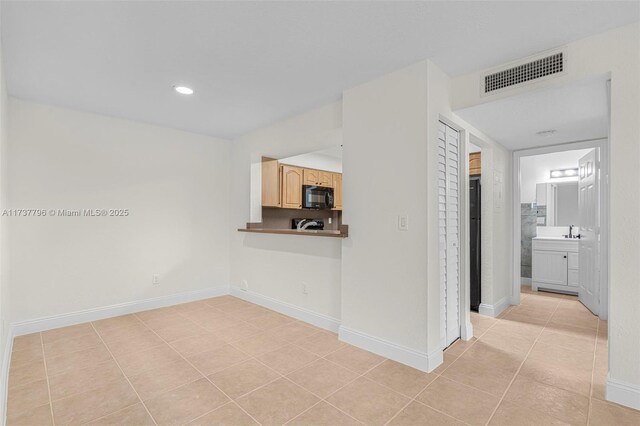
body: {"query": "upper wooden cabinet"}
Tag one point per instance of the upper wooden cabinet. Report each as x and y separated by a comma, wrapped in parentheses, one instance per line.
(474, 164)
(292, 187)
(337, 191)
(271, 183)
(318, 178)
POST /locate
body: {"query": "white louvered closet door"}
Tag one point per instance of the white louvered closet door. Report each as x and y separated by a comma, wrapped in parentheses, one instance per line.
(449, 227)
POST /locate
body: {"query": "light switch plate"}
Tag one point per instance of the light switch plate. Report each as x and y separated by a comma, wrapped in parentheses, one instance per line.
(403, 223)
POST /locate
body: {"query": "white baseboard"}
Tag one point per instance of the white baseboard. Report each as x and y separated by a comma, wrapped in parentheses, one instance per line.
(4, 375)
(411, 357)
(94, 314)
(494, 310)
(622, 393)
(466, 331)
(319, 320)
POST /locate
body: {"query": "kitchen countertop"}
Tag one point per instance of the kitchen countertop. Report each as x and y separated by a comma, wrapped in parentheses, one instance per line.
(342, 233)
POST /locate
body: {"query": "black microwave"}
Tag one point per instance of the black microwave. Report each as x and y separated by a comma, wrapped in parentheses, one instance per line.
(317, 197)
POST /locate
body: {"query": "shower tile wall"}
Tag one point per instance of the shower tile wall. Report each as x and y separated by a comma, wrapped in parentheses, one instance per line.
(528, 220)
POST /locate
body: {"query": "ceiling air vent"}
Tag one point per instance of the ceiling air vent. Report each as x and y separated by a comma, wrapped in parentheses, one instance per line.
(528, 71)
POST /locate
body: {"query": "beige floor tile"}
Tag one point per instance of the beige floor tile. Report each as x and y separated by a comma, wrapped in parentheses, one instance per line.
(355, 359)
(159, 380)
(574, 342)
(82, 380)
(287, 359)
(135, 415)
(242, 378)
(277, 402)
(514, 344)
(205, 315)
(575, 319)
(417, 414)
(236, 332)
(406, 380)
(459, 346)
(24, 398)
(321, 343)
(93, 404)
(221, 300)
(525, 317)
(259, 344)
(512, 328)
(138, 362)
(186, 403)
(168, 319)
(269, 320)
(559, 403)
(146, 340)
(179, 331)
(192, 306)
(25, 374)
(227, 415)
(199, 343)
(234, 305)
(133, 331)
(486, 375)
(368, 401)
(323, 414)
(599, 383)
(605, 414)
(145, 316)
(68, 345)
(40, 416)
(447, 360)
(322, 377)
(70, 332)
(292, 332)
(247, 313)
(77, 360)
(210, 362)
(27, 356)
(116, 322)
(28, 341)
(223, 323)
(509, 414)
(474, 408)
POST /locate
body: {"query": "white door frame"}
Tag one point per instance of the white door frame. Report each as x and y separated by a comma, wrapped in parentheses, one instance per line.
(466, 328)
(603, 144)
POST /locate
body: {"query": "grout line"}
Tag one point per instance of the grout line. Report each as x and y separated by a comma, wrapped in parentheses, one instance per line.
(46, 375)
(593, 372)
(125, 376)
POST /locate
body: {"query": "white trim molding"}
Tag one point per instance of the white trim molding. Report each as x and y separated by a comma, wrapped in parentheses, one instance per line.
(494, 310)
(622, 393)
(56, 321)
(4, 375)
(305, 315)
(411, 357)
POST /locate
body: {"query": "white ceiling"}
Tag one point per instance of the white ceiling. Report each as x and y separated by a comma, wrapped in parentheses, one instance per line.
(576, 112)
(252, 63)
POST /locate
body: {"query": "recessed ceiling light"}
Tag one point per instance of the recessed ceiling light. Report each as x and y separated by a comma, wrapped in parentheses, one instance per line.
(183, 90)
(546, 133)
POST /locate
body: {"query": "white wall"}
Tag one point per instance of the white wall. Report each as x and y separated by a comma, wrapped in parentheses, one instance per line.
(275, 266)
(174, 183)
(615, 53)
(314, 160)
(384, 270)
(537, 169)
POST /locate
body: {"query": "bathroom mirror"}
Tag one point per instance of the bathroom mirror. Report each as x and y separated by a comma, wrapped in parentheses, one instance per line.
(557, 204)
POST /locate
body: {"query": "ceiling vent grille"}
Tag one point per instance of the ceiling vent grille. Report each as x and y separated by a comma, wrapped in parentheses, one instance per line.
(543, 67)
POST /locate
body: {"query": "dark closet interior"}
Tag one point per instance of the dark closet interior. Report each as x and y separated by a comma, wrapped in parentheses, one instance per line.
(474, 249)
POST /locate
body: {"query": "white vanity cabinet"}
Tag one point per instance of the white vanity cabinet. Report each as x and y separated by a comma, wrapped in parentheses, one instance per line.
(554, 264)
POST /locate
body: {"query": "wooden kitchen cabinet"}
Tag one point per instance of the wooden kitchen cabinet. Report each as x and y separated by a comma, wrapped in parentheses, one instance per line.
(475, 164)
(337, 191)
(271, 183)
(292, 178)
(318, 178)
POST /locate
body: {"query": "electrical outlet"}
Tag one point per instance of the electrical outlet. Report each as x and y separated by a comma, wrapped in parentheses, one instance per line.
(155, 280)
(304, 289)
(244, 285)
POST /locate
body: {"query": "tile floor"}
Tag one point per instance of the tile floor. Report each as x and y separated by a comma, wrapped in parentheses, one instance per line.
(227, 361)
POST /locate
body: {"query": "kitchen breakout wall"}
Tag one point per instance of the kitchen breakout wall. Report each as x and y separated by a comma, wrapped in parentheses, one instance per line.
(617, 53)
(174, 183)
(276, 266)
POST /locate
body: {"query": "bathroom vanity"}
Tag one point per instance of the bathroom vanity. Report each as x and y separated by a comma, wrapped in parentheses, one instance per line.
(555, 264)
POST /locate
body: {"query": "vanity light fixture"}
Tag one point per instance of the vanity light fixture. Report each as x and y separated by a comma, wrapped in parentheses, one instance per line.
(564, 173)
(183, 90)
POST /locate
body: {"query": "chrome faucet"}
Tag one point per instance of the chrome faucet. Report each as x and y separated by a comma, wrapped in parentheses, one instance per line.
(570, 231)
